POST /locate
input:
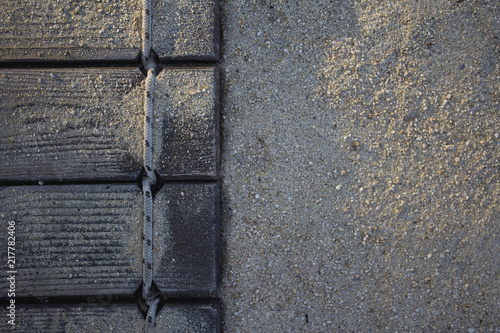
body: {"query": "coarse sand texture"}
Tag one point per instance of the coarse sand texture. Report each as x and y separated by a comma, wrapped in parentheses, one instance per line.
(360, 166)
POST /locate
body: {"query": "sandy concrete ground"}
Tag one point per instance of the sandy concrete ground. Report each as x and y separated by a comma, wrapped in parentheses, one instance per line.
(360, 166)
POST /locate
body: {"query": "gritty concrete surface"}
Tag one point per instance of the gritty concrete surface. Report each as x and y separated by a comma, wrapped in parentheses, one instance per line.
(360, 166)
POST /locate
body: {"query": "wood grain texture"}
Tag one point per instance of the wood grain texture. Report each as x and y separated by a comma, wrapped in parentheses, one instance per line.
(78, 318)
(189, 318)
(71, 124)
(93, 315)
(67, 30)
(70, 30)
(186, 124)
(186, 238)
(186, 29)
(74, 239)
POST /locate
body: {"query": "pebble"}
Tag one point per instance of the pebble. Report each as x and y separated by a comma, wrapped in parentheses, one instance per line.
(353, 239)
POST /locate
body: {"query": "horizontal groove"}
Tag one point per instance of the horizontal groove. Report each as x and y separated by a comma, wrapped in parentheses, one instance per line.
(32, 63)
(79, 271)
(37, 283)
(72, 300)
(173, 63)
(90, 215)
(103, 181)
(70, 182)
(84, 285)
(106, 300)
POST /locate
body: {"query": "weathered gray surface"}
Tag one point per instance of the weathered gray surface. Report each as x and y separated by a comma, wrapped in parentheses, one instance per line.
(101, 315)
(107, 30)
(185, 124)
(85, 317)
(74, 239)
(71, 124)
(360, 167)
(70, 30)
(186, 238)
(188, 318)
(186, 29)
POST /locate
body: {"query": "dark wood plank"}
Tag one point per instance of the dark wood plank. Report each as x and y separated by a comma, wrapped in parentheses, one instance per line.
(186, 115)
(189, 318)
(104, 317)
(186, 29)
(74, 239)
(77, 318)
(70, 30)
(186, 238)
(71, 124)
(83, 30)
